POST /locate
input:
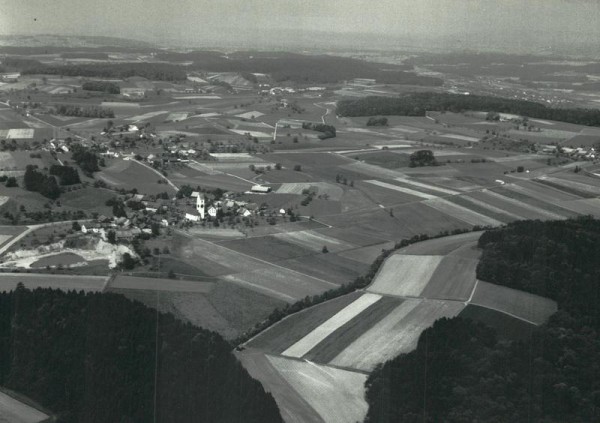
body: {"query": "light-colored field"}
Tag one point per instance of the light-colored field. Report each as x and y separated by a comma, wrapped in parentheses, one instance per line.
(234, 157)
(405, 275)
(315, 241)
(519, 304)
(157, 284)
(148, 115)
(293, 188)
(460, 137)
(201, 167)
(427, 186)
(119, 104)
(197, 97)
(4, 238)
(307, 343)
(225, 257)
(324, 386)
(250, 115)
(280, 283)
(257, 134)
(9, 281)
(372, 170)
(402, 189)
(13, 411)
(293, 408)
(176, 117)
(572, 184)
(492, 208)
(22, 133)
(395, 334)
(7, 160)
(461, 213)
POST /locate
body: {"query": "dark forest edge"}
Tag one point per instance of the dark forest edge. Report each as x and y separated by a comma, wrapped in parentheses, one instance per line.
(418, 104)
(462, 371)
(99, 358)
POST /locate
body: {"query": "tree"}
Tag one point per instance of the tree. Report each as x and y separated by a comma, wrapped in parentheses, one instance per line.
(76, 226)
(324, 250)
(297, 168)
(111, 237)
(11, 182)
(127, 262)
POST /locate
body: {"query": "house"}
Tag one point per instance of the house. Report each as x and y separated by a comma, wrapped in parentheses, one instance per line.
(260, 189)
(212, 211)
(164, 222)
(192, 217)
(195, 194)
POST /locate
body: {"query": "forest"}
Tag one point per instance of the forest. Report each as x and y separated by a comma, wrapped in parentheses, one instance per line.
(301, 68)
(103, 358)
(152, 71)
(327, 131)
(417, 104)
(67, 175)
(36, 181)
(462, 372)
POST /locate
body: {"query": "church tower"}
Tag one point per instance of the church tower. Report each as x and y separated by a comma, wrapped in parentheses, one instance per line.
(200, 205)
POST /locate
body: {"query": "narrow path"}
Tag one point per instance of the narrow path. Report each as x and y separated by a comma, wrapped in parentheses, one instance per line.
(157, 172)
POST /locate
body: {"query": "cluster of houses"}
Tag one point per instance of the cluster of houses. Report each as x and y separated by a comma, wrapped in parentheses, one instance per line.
(580, 153)
(200, 210)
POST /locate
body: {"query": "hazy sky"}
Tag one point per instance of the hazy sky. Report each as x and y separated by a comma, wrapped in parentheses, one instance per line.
(193, 20)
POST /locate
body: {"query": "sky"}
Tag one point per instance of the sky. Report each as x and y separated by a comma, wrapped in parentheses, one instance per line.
(461, 23)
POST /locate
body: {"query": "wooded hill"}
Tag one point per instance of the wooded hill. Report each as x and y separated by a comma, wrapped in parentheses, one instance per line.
(103, 358)
(462, 372)
(417, 104)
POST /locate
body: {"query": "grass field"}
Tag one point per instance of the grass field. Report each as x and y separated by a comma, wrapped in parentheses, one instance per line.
(293, 408)
(322, 386)
(405, 275)
(404, 190)
(396, 333)
(528, 307)
(345, 335)
(280, 283)
(314, 241)
(14, 411)
(269, 248)
(464, 214)
(157, 284)
(330, 267)
(279, 337)
(453, 279)
(307, 343)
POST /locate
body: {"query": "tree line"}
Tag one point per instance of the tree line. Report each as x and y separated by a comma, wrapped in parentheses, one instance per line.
(87, 111)
(103, 86)
(417, 104)
(103, 358)
(462, 371)
(328, 131)
(152, 71)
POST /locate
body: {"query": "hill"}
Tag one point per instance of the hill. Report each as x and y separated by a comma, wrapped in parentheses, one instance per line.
(103, 358)
(461, 372)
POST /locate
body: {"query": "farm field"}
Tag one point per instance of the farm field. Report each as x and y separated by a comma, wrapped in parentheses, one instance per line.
(322, 386)
(405, 276)
(396, 333)
(304, 345)
(528, 307)
(14, 411)
(157, 284)
(506, 326)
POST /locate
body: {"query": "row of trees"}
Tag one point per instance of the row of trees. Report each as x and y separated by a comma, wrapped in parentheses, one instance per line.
(462, 372)
(104, 86)
(103, 358)
(87, 111)
(328, 131)
(417, 104)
